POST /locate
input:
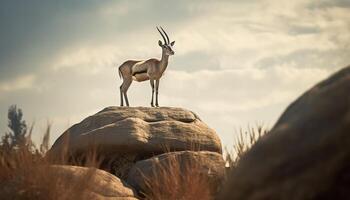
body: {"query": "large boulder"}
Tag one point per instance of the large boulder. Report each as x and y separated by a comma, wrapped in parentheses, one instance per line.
(178, 168)
(136, 133)
(307, 153)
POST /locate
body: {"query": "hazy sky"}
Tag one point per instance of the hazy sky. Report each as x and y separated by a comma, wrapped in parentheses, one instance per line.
(236, 62)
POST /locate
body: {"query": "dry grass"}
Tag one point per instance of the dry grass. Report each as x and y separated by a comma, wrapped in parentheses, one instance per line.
(244, 141)
(25, 173)
(176, 180)
(180, 179)
(33, 178)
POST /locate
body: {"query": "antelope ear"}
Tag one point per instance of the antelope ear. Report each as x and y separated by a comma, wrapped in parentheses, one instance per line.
(160, 43)
(172, 43)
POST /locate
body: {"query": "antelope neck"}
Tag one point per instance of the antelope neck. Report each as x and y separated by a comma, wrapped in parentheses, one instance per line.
(164, 62)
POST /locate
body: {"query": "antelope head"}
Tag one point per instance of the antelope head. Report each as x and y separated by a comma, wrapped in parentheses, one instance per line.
(167, 46)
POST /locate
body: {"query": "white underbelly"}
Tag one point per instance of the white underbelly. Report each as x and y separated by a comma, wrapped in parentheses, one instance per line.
(140, 77)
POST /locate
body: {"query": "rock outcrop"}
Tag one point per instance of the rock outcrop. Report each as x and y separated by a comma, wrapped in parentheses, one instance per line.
(122, 136)
(174, 165)
(307, 153)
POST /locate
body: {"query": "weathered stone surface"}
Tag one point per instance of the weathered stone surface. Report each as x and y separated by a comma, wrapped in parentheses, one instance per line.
(178, 164)
(139, 131)
(98, 184)
(307, 153)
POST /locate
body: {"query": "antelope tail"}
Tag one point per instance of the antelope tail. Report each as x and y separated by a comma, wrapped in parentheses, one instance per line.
(120, 73)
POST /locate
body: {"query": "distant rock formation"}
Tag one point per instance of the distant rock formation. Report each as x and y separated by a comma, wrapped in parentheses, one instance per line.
(307, 153)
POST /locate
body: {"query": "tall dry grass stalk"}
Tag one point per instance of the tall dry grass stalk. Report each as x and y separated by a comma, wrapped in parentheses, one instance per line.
(177, 180)
(244, 141)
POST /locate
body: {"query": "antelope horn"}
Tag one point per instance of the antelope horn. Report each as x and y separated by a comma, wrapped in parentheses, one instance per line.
(162, 35)
(166, 35)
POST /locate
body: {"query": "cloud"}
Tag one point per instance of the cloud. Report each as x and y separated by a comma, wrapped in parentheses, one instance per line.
(87, 60)
(322, 4)
(19, 83)
(32, 31)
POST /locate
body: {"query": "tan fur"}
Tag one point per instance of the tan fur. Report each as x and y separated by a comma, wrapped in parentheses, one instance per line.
(143, 70)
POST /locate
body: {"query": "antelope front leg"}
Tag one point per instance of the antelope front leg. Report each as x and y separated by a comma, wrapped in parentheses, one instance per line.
(152, 85)
(157, 86)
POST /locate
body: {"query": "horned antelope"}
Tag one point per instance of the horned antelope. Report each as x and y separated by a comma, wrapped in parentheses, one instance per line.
(143, 70)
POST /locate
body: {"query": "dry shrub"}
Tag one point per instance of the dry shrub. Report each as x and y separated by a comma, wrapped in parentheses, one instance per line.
(177, 180)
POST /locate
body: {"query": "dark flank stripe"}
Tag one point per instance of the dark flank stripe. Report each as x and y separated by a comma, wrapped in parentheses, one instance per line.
(140, 72)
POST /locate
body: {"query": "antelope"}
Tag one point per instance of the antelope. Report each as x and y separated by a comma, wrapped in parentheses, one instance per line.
(143, 70)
